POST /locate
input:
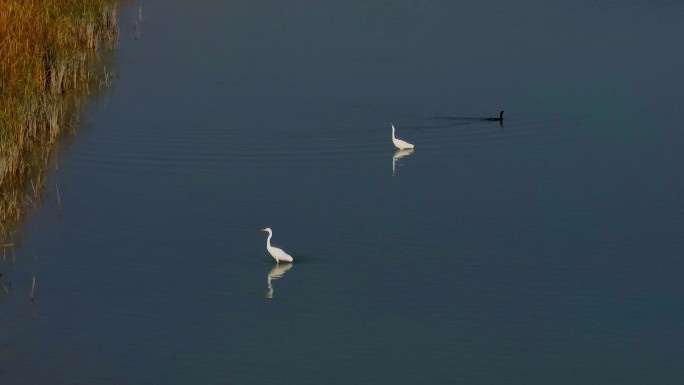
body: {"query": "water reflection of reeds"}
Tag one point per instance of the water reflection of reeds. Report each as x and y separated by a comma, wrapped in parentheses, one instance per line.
(48, 65)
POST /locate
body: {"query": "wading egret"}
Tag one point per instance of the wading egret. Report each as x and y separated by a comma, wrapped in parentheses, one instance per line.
(398, 143)
(276, 253)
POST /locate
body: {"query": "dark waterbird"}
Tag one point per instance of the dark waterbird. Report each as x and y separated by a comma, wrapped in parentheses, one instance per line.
(499, 119)
(468, 120)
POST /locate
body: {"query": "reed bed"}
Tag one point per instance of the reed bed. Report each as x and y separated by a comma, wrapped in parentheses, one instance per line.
(48, 53)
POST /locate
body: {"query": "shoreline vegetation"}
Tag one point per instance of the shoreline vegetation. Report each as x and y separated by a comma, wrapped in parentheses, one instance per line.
(49, 63)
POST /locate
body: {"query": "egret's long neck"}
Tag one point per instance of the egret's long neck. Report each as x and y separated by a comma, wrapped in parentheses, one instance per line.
(268, 240)
(393, 132)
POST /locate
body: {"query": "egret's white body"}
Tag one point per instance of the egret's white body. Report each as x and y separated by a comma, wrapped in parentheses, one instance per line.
(276, 253)
(398, 143)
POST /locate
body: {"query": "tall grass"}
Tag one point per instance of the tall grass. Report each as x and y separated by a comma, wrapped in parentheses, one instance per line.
(47, 51)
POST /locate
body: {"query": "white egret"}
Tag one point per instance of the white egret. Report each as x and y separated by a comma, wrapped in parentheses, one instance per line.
(276, 253)
(398, 143)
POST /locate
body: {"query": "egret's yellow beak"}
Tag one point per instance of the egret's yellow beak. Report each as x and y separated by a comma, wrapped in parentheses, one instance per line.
(262, 229)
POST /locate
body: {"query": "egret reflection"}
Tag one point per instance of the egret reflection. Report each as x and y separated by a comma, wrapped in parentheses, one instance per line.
(276, 272)
(398, 155)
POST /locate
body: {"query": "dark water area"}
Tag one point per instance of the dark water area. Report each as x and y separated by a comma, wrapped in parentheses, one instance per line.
(547, 249)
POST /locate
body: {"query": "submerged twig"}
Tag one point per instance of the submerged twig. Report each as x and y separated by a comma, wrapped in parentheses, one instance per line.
(59, 200)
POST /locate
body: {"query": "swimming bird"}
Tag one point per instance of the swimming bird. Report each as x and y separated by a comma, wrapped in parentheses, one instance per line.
(276, 253)
(398, 143)
(499, 119)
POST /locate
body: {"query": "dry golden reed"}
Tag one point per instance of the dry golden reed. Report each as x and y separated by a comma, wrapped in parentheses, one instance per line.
(46, 60)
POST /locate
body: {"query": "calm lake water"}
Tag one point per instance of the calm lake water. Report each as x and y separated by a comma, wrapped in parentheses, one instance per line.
(547, 250)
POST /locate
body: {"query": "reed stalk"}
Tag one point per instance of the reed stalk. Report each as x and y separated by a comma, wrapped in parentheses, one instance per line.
(48, 51)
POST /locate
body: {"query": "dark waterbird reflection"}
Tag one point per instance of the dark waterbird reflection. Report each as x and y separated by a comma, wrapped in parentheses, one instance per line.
(276, 272)
(398, 155)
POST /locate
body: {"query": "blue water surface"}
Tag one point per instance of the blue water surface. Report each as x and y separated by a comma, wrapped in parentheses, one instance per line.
(547, 249)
